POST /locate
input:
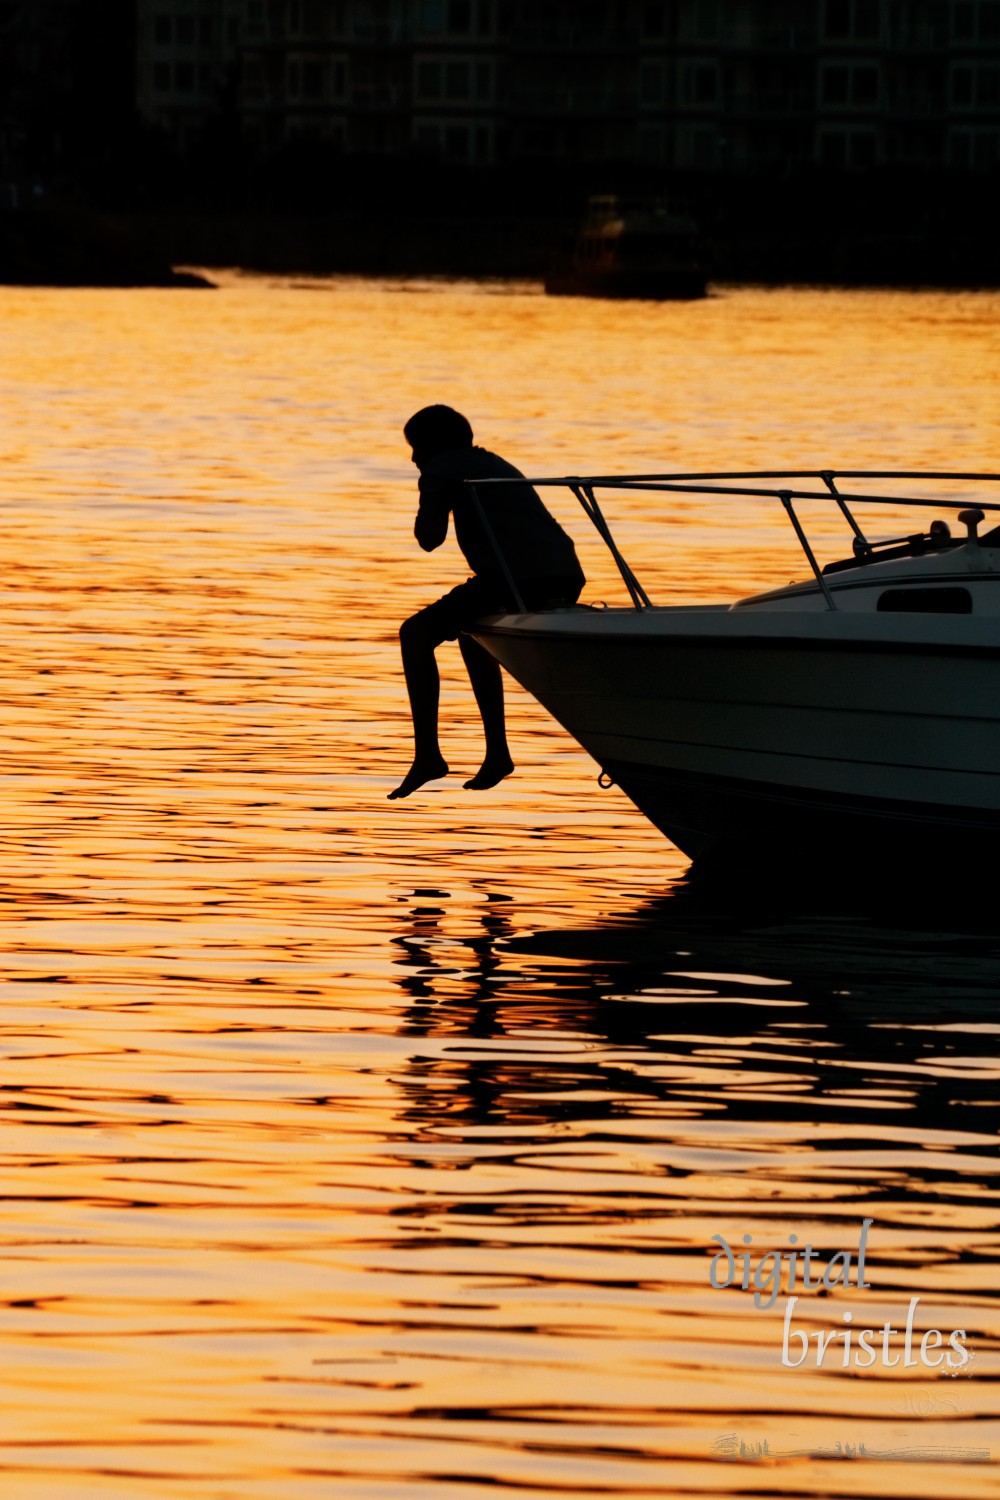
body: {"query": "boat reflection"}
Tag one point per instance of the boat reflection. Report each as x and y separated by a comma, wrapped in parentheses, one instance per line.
(621, 1092)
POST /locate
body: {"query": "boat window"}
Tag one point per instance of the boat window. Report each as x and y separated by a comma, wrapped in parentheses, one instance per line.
(926, 601)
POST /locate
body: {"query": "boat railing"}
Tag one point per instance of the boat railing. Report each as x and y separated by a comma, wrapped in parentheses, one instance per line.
(748, 484)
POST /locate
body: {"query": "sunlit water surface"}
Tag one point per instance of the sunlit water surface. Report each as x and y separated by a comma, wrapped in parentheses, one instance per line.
(370, 1149)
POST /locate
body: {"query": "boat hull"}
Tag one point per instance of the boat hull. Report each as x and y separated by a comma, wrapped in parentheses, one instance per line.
(714, 815)
(732, 730)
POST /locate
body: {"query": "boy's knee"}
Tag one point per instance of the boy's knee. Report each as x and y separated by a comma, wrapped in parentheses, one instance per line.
(413, 632)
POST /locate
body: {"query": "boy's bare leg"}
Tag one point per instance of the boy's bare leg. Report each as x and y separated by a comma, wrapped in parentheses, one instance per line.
(487, 685)
(423, 685)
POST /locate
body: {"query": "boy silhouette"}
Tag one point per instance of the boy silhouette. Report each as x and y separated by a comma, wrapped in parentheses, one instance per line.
(539, 555)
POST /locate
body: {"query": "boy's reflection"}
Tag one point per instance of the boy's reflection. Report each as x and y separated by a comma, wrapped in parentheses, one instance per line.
(666, 1007)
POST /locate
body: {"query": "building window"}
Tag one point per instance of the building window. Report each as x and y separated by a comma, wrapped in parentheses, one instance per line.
(651, 83)
(163, 30)
(432, 16)
(972, 21)
(184, 77)
(699, 84)
(654, 20)
(161, 77)
(864, 86)
(460, 16)
(651, 145)
(456, 142)
(697, 20)
(866, 19)
(848, 148)
(428, 80)
(254, 82)
(454, 17)
(540, 139)
(706, 149)
(972, 86)
(835, 85)
(453, 141)
(184, 32)
(838, 18)
(852, 20)
(706, 20)
(975, 150)
(697, 148)
(988, 87)
(315, 18)
(833, 148)
(313, 78)
(456, 80)
(986, 150)
(861, 151)
(843, 86)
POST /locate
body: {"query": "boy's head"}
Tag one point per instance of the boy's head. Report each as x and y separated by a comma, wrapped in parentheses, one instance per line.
(436, 429)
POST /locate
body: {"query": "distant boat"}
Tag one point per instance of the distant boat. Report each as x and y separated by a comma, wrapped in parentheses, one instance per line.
(631, 248)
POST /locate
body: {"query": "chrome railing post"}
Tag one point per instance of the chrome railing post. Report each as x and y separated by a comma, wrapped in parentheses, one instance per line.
(585, 494)
(786, 500)
(827, 476)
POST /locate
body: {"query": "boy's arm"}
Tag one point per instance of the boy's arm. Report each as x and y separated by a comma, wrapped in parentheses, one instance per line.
(431, 526)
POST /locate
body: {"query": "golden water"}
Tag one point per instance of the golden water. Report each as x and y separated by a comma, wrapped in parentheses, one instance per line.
(369, 1149)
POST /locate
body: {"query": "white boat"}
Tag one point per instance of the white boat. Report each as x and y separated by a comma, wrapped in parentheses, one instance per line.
(858, 709)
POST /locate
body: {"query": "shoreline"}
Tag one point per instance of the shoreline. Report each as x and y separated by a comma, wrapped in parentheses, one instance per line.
(41, 247)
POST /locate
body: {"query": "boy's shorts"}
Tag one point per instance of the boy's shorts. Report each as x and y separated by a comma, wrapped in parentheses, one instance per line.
(463, 605)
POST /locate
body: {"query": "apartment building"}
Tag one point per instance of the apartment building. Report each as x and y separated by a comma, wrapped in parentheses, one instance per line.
(694, 85)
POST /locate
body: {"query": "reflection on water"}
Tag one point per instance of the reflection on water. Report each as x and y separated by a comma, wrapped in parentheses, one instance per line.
(371, 1149)
(637, 1085)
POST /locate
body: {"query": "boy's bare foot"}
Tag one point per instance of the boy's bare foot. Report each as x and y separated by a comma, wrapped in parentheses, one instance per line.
(419, 772)
(492, 770)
